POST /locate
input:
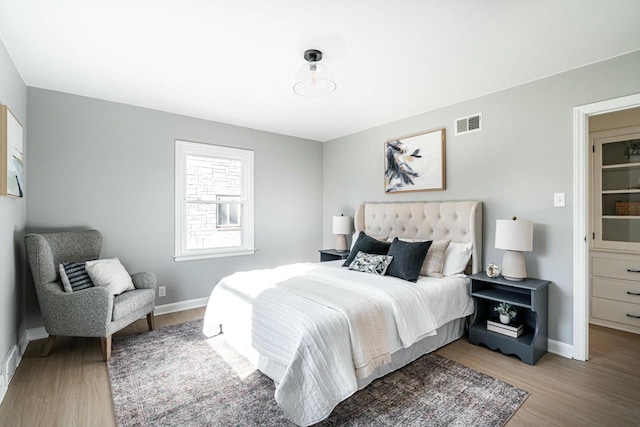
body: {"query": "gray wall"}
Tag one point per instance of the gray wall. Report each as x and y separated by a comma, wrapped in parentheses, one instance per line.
(522, 156)
(110, 166)
(13, 93)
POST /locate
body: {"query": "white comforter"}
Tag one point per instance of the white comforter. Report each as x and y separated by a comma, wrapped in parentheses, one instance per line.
(270, 313)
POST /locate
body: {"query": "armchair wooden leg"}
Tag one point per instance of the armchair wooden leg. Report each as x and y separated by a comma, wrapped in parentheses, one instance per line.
(105, 343)
(48, 346)
(150, 321)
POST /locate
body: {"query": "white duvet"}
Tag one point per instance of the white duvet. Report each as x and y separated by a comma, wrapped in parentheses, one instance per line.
(276, 315)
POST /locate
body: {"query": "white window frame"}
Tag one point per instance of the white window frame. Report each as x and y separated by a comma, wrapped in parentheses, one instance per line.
(187, 148)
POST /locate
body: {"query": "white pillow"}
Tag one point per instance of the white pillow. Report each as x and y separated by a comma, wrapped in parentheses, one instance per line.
(456, 258)
(353, 239)
(109, 273)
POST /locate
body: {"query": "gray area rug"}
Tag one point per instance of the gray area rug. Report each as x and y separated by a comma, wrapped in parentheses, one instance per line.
(175, 376)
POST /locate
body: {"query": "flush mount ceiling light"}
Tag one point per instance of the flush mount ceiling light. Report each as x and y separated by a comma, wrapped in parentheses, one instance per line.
(314, 79)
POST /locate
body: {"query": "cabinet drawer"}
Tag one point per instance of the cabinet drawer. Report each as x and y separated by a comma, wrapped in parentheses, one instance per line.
(616, 268)
(615, 311)
(620, 290)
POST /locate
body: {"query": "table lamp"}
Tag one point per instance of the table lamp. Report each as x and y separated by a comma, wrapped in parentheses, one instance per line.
(342, 227)
(514, 236)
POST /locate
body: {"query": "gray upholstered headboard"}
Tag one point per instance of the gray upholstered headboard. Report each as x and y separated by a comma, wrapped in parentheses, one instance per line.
(458, 221)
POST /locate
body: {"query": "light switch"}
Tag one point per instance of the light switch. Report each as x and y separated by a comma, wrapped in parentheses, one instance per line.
(559, 200)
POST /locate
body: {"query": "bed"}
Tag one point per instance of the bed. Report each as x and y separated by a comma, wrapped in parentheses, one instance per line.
(321, 331)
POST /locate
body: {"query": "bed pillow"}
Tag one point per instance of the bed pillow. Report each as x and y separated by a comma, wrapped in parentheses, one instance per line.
(408, 258)
(456, 258)
(434, 262)
(109, 273)
(354, 239)
(370, 263)
(74, 276)
(368, 245)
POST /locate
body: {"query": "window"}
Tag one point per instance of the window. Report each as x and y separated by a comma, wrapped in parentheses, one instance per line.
(228, 213)
(214, 201)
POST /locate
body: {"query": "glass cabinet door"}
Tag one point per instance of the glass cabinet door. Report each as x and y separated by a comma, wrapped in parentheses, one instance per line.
(617, 192)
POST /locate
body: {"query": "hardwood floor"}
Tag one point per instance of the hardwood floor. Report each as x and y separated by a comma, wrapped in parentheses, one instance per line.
(71, 386)
(604, 391)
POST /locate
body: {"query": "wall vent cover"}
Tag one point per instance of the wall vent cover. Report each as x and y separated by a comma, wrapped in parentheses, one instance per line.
(468, 124)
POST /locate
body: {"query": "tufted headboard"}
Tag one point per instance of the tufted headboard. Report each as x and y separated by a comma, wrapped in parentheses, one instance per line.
(458, 221)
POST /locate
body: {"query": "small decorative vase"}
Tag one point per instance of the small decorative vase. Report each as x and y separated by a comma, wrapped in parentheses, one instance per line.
(504, 318)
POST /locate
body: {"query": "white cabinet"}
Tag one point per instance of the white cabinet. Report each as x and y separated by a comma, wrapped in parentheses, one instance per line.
(616, 189)
(615, 290)
(615, 244)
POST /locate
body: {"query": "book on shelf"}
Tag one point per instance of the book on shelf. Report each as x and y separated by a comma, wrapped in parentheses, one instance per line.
(510, 330)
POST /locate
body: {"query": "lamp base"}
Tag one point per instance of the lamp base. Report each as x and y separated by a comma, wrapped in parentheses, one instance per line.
(513, 266)
(341, 243)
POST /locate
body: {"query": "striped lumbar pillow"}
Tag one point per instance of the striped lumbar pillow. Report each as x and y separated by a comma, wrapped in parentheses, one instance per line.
(74, 276)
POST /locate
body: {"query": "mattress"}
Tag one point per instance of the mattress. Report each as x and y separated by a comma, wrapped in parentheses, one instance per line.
(305, 346)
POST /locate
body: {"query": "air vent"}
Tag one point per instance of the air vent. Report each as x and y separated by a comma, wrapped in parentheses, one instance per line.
(468, 124)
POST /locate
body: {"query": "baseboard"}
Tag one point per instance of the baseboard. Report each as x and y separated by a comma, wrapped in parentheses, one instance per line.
(555, 347)
(40, 333)
(35, 334)
(560, 348)
(180, 306)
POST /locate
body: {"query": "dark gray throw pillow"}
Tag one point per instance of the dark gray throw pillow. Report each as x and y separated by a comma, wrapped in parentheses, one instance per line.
(407, 259)
(74, 276)
(368, 245)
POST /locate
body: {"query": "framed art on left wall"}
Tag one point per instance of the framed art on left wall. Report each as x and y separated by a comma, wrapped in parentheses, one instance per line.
(11, 154)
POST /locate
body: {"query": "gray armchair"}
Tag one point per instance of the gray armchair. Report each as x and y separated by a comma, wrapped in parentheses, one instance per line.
(92, 312)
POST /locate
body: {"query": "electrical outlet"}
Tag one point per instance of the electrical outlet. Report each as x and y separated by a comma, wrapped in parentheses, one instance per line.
(162, 291)
(559, 200)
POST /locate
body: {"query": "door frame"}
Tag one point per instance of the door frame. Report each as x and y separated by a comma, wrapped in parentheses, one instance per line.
(581, 215)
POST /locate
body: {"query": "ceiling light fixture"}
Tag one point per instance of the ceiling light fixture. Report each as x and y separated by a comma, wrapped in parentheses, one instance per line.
(314, 79)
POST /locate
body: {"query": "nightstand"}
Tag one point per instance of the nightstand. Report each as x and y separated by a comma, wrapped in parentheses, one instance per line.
(529, 298)
(332, 255)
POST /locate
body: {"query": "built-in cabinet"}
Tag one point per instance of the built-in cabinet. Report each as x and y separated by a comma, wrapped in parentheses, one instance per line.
(615, 243)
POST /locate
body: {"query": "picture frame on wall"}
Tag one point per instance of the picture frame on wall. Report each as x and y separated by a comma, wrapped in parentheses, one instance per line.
(415, 162)
(11, 154)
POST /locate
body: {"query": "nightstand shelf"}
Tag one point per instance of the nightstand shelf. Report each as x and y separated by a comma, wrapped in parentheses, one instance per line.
(528, 298)
(332, 255)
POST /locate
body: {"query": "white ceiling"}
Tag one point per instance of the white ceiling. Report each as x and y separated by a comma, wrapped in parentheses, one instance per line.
(235, 61)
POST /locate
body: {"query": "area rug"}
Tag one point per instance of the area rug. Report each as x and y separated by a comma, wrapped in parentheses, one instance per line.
(175, 376)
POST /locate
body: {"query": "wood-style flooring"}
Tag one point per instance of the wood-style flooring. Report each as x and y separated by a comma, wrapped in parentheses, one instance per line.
(71, 386)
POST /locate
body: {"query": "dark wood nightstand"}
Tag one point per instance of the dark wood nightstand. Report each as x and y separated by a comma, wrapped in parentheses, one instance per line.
(528, 297)
(332, 255)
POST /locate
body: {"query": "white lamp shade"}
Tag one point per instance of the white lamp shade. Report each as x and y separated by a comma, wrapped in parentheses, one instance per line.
(342, 224)
(514, 235)
(314, 79)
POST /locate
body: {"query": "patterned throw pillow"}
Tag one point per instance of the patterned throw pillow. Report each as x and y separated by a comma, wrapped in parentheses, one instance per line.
(371, 263)
(74, 276)
(434, 263)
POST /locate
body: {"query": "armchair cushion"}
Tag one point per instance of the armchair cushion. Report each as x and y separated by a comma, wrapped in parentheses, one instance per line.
(74, 276)
(110, 274)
